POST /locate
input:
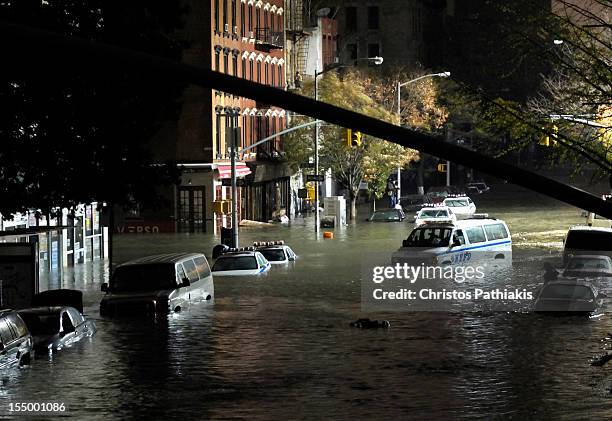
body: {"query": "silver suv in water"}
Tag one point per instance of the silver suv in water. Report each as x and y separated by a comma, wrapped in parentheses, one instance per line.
(15, 340)
(157, 285)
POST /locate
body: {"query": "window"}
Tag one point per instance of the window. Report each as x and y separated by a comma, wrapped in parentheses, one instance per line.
(266, 73)
(458, 237)
(218, 134)
(190, 270)
(217, 52)
(257, 17)
(242, 20)
(224, 14)
(280, 76)
(496, 232)
(250, 18)
(373, 50)
(202, 267)
(475, 235)
(251, 70)
(244, 68)
(265, 23)
(373, 18)
(233, 14)
(280, 23)
(216, 15)
(235, 64)
(76, 317)
(258, 71)
(351, 18)
(273, 74)
(226, 61)
(351, 51)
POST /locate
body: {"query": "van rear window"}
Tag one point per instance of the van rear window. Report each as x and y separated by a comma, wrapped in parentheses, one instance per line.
(496, 232)
(589, 240)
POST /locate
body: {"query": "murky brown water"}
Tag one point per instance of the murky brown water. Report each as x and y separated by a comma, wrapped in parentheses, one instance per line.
(279, 346)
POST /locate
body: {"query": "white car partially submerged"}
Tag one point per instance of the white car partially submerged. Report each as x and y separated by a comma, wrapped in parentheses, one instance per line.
(243, 262)
(462, 206)
(434, 214)
(276, 252)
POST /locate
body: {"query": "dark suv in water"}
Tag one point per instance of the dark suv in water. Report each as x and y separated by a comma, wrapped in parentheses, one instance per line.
(15, 340)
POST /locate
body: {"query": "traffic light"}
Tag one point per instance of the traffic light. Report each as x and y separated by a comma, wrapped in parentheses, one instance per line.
(550, 140)
(441, 167)
(353, 138)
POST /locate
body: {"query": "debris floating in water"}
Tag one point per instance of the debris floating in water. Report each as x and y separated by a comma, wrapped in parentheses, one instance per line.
(370, 324)
(601, 360)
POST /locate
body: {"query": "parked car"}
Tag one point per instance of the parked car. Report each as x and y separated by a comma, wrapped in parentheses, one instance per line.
(15, 340)
(275, 252)
(54, 328)
(241, 262)
(462, 206)
(157, 284)
(435, 214)
(387, 215)
(585, 240)
(414, 202)
(478, 186)
(588, 266)
(569, 296)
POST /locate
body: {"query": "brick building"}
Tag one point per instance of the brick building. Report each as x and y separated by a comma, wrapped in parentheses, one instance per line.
(243, 38)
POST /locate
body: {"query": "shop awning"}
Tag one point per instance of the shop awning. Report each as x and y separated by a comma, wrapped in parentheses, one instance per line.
(225, 171)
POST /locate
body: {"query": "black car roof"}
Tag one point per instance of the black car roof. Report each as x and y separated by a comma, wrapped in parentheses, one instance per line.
(42, 310)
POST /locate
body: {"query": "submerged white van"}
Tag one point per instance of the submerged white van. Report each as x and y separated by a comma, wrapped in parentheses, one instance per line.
(479, 237)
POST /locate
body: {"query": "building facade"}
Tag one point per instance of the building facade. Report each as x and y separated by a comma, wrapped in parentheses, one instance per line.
(241, 38)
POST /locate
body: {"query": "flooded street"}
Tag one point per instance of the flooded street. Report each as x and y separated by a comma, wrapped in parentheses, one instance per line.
(279, 346)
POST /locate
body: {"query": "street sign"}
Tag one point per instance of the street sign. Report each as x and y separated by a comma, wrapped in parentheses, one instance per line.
(441, 167)
(315, 177)
(303, 193)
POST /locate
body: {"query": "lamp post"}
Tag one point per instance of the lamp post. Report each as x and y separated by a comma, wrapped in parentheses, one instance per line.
(399, 115)
(377, 61)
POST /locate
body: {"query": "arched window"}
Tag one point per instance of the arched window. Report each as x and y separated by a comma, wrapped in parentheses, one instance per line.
(233, 15)
(257, 17)
(258, 71)
(251, 74)
(265, 22)
(216, 15)
(266, 73)
(224, 14)
(273, 74)
(280, 76)
(244, 67)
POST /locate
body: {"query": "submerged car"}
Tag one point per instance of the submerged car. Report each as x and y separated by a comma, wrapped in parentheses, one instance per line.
(157, 285)
(585, 240)
(435, 214)
(588, 266)
(53, 328)
(275, 252)
(387, 215)
(15, 340)
(462, 206)
(243, 262)
(569, 296)
(477, 187)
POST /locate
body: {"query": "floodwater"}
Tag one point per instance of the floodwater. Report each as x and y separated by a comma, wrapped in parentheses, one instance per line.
(279, 346)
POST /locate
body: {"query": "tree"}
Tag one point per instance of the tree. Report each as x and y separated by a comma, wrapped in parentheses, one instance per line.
(73, 134)
(373, 161)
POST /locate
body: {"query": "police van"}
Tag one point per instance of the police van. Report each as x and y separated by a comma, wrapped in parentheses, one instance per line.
(460, 242)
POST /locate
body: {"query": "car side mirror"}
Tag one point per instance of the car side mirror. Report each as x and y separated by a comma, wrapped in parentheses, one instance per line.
(104, 287)
(185, 282)
(291, 259)
(456, 243)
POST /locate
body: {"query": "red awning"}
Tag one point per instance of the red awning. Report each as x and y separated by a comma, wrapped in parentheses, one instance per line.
(225, 171)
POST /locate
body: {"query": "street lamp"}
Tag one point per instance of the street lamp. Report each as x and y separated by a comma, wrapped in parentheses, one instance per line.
(399, 115)
(377, 61)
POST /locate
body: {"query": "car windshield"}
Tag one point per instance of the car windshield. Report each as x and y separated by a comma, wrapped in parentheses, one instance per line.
(434, 214)
(235, 263)
(389, 215)
(429, 237)
(589, 240)
(146, 277)
(45, 324)
(584, 263)
(568, 292)
(273, 255)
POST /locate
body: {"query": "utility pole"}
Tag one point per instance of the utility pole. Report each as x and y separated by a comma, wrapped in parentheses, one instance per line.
(316, 157)
(234, 136)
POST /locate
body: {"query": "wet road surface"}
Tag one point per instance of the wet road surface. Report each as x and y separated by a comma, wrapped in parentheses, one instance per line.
(279, 346)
